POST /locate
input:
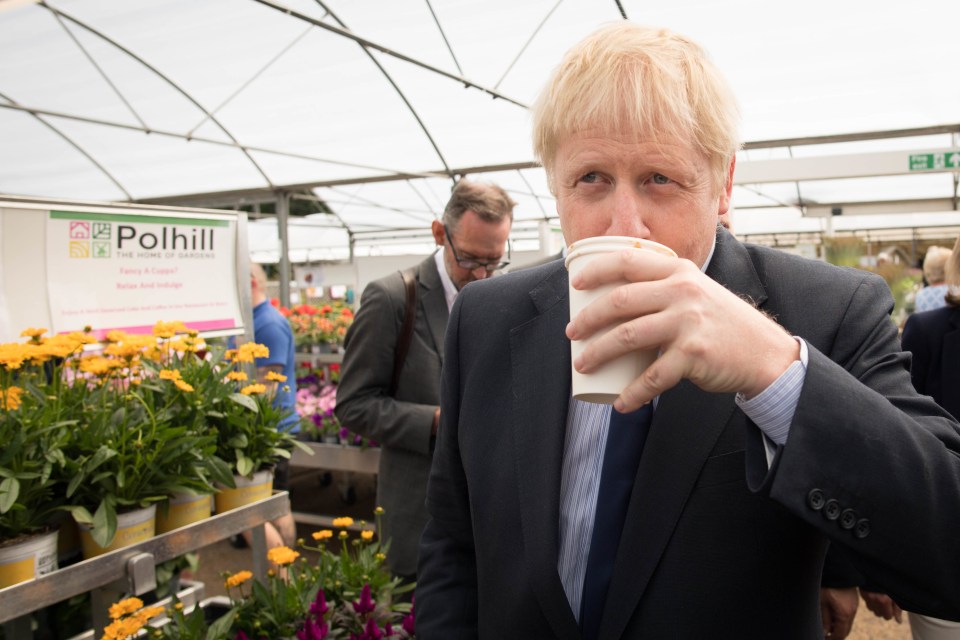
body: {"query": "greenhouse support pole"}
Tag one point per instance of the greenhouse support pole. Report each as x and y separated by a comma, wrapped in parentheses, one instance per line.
(283, 214)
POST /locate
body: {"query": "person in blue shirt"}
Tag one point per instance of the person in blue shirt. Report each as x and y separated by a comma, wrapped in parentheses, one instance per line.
(272, 330)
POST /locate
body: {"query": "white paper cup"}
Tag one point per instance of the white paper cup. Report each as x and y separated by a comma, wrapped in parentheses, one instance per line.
(605, 384)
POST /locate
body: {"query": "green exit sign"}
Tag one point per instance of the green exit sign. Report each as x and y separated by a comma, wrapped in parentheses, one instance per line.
(928, 161)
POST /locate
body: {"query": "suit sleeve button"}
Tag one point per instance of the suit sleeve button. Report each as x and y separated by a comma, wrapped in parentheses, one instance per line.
(815, 499)
(831, 510)
(862, 529)
(848, 519)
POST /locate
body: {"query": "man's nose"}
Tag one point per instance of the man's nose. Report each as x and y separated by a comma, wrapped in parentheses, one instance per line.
(629, 214)
(481, 272)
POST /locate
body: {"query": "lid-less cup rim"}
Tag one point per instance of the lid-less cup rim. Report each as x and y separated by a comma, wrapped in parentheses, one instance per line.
(606, 244)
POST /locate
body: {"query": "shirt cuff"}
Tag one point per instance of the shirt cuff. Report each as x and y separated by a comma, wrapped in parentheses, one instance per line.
(773, 408)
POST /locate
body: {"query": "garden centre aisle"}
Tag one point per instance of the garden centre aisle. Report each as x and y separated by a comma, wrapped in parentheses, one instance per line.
(307, 495)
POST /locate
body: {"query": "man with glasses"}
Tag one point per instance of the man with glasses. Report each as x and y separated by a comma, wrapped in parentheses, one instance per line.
(473, 236)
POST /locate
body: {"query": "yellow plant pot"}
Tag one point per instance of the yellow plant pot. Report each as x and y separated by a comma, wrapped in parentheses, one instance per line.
(30, 558)
(183, 509)
(132, 527)
(248, 490)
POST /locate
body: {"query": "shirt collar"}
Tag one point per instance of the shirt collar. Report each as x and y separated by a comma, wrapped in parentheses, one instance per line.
(449, 289)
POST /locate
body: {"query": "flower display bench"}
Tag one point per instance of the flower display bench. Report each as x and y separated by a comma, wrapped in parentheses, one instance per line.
(131, 570)
(333, 457)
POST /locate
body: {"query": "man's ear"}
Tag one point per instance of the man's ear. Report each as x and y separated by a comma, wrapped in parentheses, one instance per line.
(727, 193)
(438, 234)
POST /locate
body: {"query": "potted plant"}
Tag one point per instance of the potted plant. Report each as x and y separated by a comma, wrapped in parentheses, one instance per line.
(246, 424)
(35, 409)
(128, 451)
(316, 401)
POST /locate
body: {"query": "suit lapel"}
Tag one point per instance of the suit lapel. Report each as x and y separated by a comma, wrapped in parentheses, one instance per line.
(433, 301)
(685, 428)
(540, 370)
(949, 373)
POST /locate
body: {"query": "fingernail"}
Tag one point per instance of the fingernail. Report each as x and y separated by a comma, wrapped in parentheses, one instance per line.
(571, 331)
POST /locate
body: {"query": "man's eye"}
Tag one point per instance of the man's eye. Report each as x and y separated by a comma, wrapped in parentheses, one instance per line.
(659, 178)
(590, 178)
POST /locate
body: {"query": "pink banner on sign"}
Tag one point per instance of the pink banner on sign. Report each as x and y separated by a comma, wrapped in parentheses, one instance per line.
(205, 325)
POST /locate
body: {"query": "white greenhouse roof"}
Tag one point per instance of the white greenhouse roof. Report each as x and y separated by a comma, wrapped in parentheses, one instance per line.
(372, 106)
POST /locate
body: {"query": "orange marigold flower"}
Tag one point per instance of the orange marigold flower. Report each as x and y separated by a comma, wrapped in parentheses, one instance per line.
(238, 376)
(124, 607)
(170, 374)
(252, 389)
(322, 535)
(183, 386)
(366, 535)
(238, 579)
(32, 333)
(276, 377)
(282, 555)
(342, 523)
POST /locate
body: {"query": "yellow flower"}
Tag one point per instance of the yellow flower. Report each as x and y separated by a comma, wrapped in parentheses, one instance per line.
(10, 398)
(32, 333)
(343, 535)
(168, 329)
(252, 389)
(276, 377)
(125, 607)
(170, 374)
(148, 612)
(116, 336)
(322, 535)
(342, 523)
(378, 511)
(238, 376)
(247, 352)
(12, 355)
(178, 606)
(282, 555)
(380, 557)
(238, 579)
(183, 386)
(366, 535)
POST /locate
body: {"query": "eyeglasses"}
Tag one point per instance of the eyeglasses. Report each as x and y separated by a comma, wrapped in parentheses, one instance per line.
(471, 264)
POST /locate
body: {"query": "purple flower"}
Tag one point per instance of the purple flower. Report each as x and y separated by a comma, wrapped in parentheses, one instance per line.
(312, 631)
(407, 622)
(319, 607)
(241, 636)
(365, 604)
(370, 632)
(344, 433)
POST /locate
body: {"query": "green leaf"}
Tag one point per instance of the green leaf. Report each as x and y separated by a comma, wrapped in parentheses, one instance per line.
(221, 626)
(245, 401)
(80, 514)
(104, 524)
(9, 491)
(244, 464)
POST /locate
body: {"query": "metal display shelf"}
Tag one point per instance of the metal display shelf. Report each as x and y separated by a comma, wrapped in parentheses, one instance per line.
(337, 457)
(131, 570)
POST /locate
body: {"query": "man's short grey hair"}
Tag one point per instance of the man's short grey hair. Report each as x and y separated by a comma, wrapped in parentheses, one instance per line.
(490, 202)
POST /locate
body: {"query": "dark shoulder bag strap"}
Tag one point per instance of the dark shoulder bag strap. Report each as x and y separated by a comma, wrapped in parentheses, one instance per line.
(406, 330)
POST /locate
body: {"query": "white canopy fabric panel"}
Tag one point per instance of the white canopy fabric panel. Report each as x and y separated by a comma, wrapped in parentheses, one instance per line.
(224, 102)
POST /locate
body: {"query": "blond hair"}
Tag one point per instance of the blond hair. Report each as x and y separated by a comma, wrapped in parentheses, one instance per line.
(934, 262)
(648, 82)
(952, 275)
